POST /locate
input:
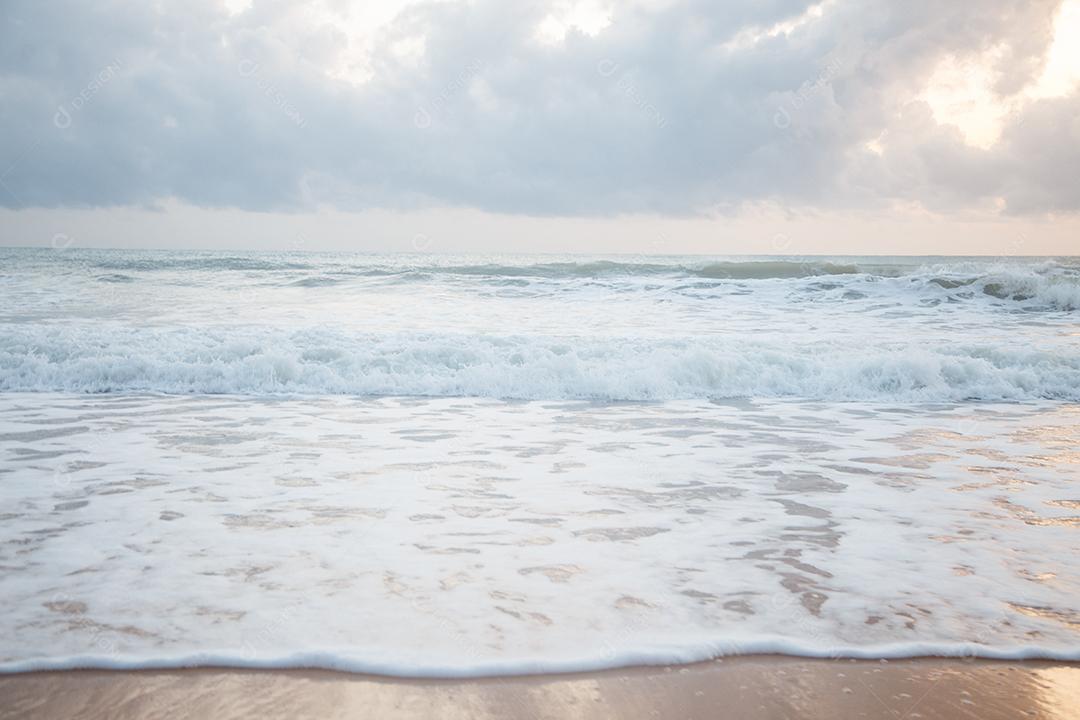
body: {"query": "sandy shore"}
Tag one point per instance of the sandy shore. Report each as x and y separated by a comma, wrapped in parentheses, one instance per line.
(747, 687)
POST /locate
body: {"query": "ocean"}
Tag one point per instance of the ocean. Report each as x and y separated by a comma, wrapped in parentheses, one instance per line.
(434, 465)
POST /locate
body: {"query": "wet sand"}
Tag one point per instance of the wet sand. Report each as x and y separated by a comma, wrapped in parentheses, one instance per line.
(744, 687)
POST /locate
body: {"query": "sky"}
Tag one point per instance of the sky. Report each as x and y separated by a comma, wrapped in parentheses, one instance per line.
(669, 126)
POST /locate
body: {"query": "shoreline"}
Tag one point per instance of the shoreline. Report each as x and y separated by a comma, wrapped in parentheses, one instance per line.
(761, 686)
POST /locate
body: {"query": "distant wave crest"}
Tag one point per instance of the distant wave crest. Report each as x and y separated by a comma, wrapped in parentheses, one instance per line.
(1038, 283)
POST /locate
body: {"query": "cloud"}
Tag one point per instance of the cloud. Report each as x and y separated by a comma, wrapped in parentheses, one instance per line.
(675, 108)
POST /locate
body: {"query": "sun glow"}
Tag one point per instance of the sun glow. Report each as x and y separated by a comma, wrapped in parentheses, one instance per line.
(960, 91)
(1061, 73)
(587, 16)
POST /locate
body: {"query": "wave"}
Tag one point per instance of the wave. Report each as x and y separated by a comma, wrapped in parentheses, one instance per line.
(319, 361)
(1036, 288)
(1044, 286)
(149, 262)
(773, 269)
(1045, 289)
(746, 270)
(734, 270)
(352, 662)
(315, 281)
(775, 266)
(1040, 282)
(1060, 293)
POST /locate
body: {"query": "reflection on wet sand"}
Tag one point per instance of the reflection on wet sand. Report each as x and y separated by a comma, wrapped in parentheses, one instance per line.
(746, 687)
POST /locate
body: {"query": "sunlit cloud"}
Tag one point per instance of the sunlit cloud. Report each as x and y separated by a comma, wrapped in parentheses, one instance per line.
(585, 16)
(753, 35)
(961, 90)
(1061, 75)
(960, 93)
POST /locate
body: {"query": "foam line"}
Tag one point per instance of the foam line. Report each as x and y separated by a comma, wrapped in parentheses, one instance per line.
(356, 663)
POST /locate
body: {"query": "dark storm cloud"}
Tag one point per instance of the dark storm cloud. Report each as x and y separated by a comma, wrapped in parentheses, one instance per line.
(683, 109)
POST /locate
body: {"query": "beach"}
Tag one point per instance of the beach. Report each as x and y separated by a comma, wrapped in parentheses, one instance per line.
(745, 687)
(559, 359)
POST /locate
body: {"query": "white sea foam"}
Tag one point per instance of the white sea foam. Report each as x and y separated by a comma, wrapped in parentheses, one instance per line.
(451, 537)
(244, 360)
(344, 660)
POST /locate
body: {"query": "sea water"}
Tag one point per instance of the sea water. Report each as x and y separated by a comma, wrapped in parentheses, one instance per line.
(438, 465)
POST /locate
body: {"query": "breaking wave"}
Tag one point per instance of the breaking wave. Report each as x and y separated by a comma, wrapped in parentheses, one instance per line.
(258, 360)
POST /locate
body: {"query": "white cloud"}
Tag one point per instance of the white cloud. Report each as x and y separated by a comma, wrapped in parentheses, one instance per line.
(655, 106)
